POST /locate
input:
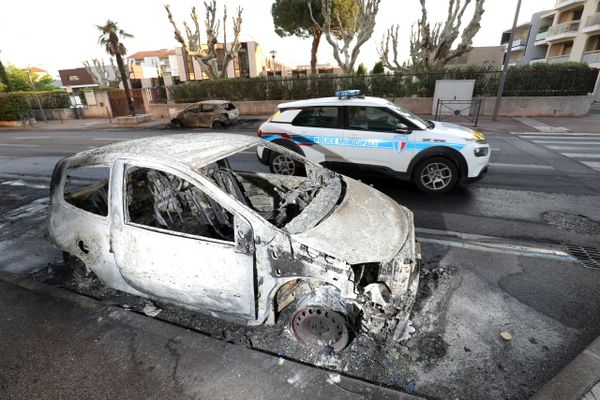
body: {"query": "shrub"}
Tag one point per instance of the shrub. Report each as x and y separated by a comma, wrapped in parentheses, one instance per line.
(539, 79)
(14, 108)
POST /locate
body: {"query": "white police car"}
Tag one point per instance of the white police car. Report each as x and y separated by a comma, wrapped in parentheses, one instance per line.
(350, 130)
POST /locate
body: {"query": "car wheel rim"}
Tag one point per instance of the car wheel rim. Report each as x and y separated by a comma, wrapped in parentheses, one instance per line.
(319, 327)
(283, 165)
(436, 176)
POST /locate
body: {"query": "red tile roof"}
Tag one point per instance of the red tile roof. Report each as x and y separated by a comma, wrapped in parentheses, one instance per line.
(162, 53)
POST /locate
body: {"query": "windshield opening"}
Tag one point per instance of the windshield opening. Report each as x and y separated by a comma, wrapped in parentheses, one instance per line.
(415, 119)
(293, 203)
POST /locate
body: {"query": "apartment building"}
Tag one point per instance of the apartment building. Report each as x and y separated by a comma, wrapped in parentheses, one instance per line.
(175, 65)
(249, 63)
(153, 64)
(569, 32)
(483, 55)
(575, 32)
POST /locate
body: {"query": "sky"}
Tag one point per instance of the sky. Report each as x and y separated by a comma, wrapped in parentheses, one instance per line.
(60, 34)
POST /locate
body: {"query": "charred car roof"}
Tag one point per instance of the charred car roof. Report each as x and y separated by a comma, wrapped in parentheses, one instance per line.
(191, 149)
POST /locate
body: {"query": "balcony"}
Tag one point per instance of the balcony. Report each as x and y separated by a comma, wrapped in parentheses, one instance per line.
(563, 31)
(537, 60)
(517, 44)
(558, 59)
(592, 24)
(562, 4)
(591, 57)
(541, 37)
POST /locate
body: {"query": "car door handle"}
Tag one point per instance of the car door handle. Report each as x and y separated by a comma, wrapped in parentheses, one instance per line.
(83, 247)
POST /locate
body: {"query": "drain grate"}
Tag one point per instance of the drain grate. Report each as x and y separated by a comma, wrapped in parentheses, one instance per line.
(588, 256)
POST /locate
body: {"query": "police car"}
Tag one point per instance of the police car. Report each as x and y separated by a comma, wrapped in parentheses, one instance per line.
(373, 133)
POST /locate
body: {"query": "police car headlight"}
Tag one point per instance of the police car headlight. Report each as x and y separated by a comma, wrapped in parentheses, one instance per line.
(481, 151)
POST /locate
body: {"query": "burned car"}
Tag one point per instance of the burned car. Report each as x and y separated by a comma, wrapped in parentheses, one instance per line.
(192, 219)
(206, 114)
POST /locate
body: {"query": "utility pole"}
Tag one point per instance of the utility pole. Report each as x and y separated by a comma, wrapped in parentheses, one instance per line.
(36, 94)
(506, 61)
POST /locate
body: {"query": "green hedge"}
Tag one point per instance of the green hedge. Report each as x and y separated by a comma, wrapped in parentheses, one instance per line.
(14, 107)
(539, 79)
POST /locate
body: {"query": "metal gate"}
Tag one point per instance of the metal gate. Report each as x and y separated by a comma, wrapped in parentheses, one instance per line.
(118, 102)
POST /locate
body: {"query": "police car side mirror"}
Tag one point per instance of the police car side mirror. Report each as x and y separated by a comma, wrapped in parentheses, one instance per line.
(402, 128)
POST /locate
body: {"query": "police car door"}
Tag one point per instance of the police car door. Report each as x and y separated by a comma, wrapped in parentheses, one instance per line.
(373, 139)
(319, 130)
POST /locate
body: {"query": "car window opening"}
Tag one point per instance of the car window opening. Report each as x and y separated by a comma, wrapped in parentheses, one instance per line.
(87, 189)
(161, 200)
(293, 203)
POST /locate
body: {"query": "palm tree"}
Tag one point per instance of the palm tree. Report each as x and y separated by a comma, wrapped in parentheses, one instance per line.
(111, 40)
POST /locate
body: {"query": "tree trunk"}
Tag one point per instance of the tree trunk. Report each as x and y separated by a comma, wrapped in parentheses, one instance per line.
(124, 79)
(313, 51)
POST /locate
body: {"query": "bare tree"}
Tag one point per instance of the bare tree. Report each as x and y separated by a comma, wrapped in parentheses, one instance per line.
(100, 72)
(206, 53)
(432, 47)
(347, 38)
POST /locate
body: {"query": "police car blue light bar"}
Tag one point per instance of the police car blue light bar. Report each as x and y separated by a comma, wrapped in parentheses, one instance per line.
(347, 93)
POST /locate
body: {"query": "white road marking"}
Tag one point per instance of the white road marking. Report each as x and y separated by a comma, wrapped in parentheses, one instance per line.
(495, 149)
(566, 148)
(581, 155)
(18, 145)
(31, 137)
(592, 164)
(566, 141)
(532, 166)
(491, 244)
(550, 135)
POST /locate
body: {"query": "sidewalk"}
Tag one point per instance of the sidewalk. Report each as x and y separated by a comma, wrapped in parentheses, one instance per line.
(586, 124)
(57, 344)
(91, 123)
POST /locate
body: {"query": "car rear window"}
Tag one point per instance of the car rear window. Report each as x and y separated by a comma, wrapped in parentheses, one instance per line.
(321, 117)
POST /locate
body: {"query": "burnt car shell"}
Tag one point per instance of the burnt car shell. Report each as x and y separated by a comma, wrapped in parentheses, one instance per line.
(350, 254)
(206, 114)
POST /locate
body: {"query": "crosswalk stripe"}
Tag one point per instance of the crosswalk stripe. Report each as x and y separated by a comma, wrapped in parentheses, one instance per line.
(562, 142)
(532, 166)
(592, 164)
(549, 135)
(565, 148)
(581, 155)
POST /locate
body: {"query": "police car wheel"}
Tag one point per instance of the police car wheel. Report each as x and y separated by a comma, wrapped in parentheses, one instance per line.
(436, 175)
(283, 165)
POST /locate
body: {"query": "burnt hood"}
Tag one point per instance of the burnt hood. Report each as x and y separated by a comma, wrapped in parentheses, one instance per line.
(366, 227)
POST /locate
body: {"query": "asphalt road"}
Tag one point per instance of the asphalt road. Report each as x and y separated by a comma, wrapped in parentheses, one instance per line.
(542, 191)
(527, 182)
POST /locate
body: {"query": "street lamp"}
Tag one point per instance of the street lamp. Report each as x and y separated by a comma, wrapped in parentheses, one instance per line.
(37, 97)
(506, 61)
(273, 54)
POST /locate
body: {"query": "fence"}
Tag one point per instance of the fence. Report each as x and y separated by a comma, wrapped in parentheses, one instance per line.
(534, 80)
(52, 100)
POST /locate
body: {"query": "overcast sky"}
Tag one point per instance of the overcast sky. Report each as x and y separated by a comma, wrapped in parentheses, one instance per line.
(60, 34)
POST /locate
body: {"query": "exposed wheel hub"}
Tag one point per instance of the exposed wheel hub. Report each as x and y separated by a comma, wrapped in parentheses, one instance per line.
(319, 327)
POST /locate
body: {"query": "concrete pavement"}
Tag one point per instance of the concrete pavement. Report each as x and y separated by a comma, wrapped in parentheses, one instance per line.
(74, 347)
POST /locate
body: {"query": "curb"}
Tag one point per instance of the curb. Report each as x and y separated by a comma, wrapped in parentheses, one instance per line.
(576, 379)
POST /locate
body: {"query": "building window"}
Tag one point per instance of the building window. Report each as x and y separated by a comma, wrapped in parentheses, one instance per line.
(73, 78)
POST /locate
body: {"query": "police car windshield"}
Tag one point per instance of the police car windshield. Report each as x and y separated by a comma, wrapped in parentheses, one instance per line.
(416, 120)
